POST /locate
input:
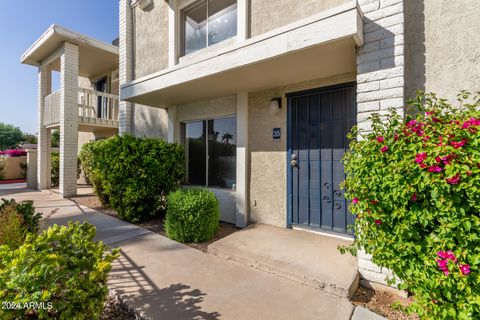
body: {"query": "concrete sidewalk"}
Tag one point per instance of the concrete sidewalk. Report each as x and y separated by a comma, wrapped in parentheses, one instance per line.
(162, 279)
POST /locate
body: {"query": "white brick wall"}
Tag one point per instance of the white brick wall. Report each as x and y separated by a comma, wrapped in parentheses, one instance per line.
(44, 146)
(380, 82)
(126, 109)
(68, 119)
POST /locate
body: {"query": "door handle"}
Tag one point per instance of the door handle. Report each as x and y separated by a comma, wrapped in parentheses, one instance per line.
(293, 162)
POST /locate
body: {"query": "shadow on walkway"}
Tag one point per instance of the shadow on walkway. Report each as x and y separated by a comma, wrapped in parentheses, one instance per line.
(178, 301)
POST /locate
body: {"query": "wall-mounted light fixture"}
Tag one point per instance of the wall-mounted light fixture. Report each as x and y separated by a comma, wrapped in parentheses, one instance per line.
(275, 105)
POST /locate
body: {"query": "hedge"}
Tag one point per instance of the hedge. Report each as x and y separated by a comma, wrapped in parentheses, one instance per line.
(133, 175)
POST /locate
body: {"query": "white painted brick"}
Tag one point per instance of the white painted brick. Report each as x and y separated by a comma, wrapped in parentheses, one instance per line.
(380, 54)
(392, 103)
(392, 83)
(386, 3)
(384, 33)
(380, 74)
(368, 265)
(368, 106)
(373, 276)
(369, 47)
(397, 39)
(368, 67)
(368, 86)
(380, 95)
(369, 7)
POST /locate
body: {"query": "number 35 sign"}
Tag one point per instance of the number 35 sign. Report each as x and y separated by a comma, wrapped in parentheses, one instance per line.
(276, 133)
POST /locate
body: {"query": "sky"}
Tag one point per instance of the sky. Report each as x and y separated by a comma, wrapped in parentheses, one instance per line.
(21, 23)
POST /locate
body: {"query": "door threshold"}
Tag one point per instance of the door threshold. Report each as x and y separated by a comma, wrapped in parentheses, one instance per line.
(324, 233)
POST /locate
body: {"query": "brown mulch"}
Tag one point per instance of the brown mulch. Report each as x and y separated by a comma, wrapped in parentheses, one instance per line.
(113, 310)
(155, 224)
(383, 303)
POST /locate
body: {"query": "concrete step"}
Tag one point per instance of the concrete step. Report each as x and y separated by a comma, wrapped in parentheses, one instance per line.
(304, 257)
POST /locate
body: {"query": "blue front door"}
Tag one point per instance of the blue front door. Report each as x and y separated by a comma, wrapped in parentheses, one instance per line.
(318, 123)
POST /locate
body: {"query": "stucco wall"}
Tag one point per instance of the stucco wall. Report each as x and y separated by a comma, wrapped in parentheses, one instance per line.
(268, 169)
(151, 38)
(150, 122)
(443, 46)
(265, 13)
(207, 109)
(11, 167)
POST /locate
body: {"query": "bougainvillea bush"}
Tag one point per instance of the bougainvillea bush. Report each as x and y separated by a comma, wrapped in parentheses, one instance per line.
(414, 186)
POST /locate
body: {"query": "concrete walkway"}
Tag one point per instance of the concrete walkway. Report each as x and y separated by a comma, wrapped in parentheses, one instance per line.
(163, 279)
(305, 257)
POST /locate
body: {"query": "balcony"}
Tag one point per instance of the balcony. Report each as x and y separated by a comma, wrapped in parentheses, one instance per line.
(95, 109)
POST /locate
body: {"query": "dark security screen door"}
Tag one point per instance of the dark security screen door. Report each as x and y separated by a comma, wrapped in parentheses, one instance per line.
(318, 124)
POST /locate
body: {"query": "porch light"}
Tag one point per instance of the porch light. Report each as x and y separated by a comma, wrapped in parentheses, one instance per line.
(275, 105)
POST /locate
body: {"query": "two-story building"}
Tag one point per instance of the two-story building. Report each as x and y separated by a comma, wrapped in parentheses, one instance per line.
(261, 93)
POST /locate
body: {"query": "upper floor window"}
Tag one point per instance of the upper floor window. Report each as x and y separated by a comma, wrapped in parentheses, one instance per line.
(208, 22)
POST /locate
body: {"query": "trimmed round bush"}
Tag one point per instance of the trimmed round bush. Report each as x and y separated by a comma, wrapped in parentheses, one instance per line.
(414, 186)
(60, 274)
(192, 215)
(134, 175)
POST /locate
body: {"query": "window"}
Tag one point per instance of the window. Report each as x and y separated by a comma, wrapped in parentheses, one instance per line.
(208, 22)
(211, 148)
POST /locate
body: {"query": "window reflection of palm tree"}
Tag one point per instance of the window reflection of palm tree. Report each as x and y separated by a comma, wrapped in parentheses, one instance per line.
(226, 137)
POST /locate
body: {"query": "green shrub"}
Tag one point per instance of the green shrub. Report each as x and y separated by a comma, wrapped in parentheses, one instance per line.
(415, 189)
(56, 169)
(12, 227)
(192, 215)
(63, 268)
(31, 220)
(90, 162)
(134, 175)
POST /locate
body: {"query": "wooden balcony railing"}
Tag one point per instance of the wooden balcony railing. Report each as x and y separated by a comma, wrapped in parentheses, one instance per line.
(94, 107)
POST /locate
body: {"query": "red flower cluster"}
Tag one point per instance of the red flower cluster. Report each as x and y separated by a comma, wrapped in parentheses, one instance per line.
(445, 256)
(454, 180)
(416, 127)
(13, 153)
(458, 144)
(472, 122)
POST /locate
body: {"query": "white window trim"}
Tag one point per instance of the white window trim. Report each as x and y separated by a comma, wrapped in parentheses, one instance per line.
(174, 27)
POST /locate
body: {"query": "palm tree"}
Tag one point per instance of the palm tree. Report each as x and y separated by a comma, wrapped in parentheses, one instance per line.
(227, 137)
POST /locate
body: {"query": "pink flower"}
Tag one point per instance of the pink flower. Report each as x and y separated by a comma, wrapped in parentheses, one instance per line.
(414, 197)
(423, 165)
(428, 113)
(420, 157)
(378, 222)
(448, 255)
(435, 169)
(355, 200)
(395, 137)
(469, 173)
(443, 265)
(380, 139)
(411, 123)
(464, 268)
(472, 122)
(458, 144)
(454, 180)
(384, 149)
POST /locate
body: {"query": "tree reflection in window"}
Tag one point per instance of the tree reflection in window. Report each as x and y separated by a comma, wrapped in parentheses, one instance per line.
(221, 146)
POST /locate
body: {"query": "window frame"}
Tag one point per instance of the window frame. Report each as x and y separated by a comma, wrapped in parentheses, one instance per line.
(181, 26)
(183, 137)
